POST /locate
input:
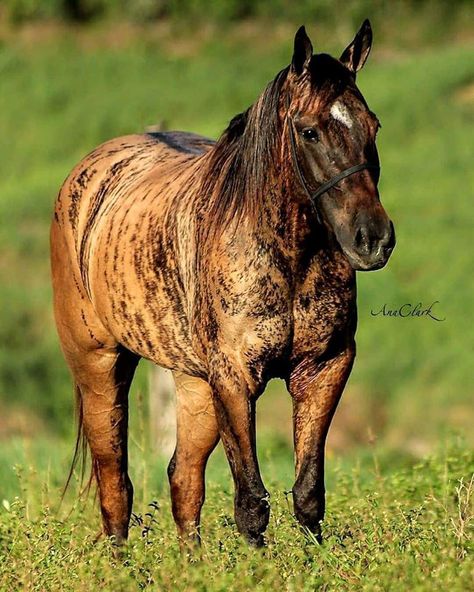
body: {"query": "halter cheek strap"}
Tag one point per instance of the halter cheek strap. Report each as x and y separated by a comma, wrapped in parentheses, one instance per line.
(313, 196)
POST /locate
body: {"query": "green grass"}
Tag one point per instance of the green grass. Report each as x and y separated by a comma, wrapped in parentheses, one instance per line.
(386, 529)
(61, 98)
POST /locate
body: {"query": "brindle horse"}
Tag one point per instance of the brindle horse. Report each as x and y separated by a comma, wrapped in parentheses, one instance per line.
(229, 263)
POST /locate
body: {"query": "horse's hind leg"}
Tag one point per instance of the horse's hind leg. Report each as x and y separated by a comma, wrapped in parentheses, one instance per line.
(102, 371)
(104, 398)
(197, 436)
(103, 376)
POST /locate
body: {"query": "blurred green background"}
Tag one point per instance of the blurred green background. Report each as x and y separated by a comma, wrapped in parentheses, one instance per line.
(76, 73)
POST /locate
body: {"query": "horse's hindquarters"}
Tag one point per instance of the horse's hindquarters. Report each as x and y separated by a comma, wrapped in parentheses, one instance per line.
(128, 236)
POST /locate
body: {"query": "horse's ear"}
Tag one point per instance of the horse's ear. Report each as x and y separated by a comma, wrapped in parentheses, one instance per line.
(356, 53)
(302, 53)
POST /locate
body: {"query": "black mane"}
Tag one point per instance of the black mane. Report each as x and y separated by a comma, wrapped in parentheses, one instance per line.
(240, 166)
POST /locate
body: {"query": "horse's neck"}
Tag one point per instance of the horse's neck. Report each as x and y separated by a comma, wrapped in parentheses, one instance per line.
(289, 222)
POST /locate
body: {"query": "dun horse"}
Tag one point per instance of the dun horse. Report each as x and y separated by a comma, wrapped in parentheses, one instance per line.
(230, 263)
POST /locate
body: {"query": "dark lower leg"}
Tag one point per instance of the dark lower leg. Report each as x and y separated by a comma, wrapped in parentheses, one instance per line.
(116, 497)
(105, 418)
(309, 492)
(316, 390)
(236, 419)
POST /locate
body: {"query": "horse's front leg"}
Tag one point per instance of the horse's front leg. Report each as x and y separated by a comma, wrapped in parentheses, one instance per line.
(234, 402)
(316, 387)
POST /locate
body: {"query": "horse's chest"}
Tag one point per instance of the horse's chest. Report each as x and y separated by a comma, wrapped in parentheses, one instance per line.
(270, 323)
(324, 312)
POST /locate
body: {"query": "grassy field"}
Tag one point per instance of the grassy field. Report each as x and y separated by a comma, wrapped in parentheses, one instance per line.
(398, 480)
(402, 529)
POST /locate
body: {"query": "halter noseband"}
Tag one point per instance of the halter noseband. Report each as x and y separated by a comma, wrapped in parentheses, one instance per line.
(313, 196)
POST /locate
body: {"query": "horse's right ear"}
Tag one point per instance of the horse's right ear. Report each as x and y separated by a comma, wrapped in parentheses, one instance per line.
(357, 52)
(302, 53)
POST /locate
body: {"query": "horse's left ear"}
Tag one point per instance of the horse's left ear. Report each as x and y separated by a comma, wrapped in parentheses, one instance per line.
(303, 52)
(356, 53)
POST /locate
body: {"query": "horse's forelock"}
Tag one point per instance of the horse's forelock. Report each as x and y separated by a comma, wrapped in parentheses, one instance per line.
(327, 74)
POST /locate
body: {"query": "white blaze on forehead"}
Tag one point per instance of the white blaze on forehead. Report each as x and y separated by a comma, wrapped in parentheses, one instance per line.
(340, 112)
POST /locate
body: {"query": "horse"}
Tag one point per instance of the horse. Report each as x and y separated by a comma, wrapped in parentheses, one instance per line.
(229, 262)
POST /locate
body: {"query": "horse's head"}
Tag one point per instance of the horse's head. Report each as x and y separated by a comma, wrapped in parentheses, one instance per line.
(331, 131)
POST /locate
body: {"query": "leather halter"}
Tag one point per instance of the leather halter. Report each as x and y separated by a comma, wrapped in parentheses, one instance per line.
(313, 196)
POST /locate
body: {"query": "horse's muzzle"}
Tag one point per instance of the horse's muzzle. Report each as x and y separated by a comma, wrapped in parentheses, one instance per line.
(371, 248)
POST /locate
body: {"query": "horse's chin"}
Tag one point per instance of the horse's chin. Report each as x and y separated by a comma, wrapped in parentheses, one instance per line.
(359, 263)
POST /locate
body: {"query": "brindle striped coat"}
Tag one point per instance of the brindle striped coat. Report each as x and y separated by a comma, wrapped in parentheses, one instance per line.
(209, 259)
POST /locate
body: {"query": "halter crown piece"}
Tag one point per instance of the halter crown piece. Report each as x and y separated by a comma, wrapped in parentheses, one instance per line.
(313, 196)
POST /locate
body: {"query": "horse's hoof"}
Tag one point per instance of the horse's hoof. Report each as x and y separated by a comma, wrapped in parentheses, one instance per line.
(256, 541)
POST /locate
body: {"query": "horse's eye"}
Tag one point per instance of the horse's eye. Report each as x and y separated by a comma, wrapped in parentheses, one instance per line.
(310, 134)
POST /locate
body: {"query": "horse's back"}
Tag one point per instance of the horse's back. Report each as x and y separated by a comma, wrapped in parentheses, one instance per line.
(113, 171)
(133, 156)
(186, 142)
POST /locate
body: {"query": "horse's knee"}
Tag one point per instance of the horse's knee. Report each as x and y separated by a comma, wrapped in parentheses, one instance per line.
(252, 513)
(309, 506)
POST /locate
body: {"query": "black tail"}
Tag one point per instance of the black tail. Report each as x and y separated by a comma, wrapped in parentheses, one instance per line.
(81, 448)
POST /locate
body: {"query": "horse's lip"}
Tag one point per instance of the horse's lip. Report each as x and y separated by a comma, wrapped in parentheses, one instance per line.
(359, 264)
(370, 266)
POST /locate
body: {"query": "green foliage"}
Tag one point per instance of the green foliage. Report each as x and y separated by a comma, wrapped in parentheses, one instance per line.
(409, 529)
(60, 100)
(24, 10)
(227, 10)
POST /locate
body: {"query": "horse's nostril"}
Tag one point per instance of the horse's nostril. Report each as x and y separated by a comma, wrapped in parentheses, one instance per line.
(374, 242)
(362, 239)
